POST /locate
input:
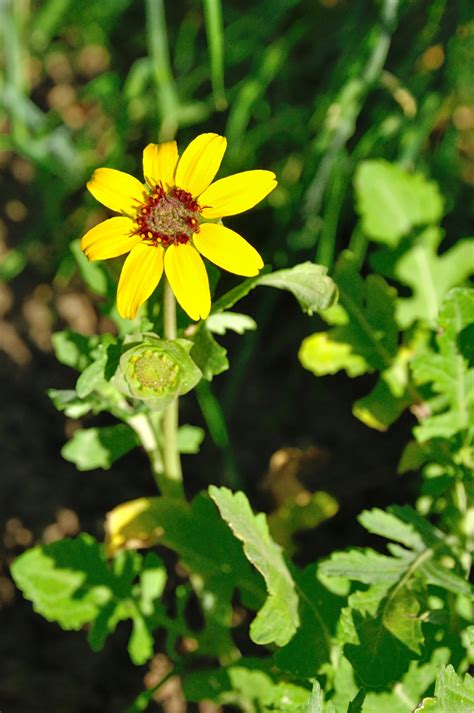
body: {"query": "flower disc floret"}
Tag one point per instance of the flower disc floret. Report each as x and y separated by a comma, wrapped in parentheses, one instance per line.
(167, 218)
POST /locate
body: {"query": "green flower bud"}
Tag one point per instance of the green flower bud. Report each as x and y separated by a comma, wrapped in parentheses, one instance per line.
(156, 370)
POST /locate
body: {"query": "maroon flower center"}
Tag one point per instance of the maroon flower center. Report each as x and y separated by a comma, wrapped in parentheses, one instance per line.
(167, 218)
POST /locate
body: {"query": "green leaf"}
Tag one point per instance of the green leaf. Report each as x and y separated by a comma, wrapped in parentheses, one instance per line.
(68, 401)
(190, 439)
(364, 566)
(391, 201)
(402, 697)
(221, 322)
(310, 648)
(380, 408)
(453, 694)
(92, 377)
(355, 706)
(245, 685)
(322, 354)
(365, 334)
(92, 448)
(448, 371)
(364, 339)
(209, 355)
(309, 283)
(72, 349)
(94, 274)
(381, 629)
(206, 547)
(429, 275)
(278, 620)
(71, 582)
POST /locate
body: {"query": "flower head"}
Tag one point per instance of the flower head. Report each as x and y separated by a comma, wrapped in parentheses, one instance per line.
(171, 220)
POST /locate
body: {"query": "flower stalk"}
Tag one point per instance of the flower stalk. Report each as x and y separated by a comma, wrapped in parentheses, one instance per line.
(171, 457)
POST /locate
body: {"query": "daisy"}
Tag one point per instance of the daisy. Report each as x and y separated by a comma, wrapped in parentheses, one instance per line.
(171, 220)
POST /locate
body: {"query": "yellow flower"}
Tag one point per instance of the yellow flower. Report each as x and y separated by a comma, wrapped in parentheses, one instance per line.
(171, 221)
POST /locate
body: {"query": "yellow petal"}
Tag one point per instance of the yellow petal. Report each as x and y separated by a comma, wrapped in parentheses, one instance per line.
(188, 279)
(200, 162)
(109, 239)
(236, 193)
(117, 190)
(141, 273)
(228, 250)
(159, 163)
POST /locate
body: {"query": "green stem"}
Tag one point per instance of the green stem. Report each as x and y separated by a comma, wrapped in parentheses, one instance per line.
(145, 430)
(216, 423)
(170, 452)
(142, 702)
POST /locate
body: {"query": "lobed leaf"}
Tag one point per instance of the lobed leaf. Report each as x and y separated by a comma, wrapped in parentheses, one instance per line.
(449, 371)
(278, 620)
(92, 448)
(392, 201)
(71, 582)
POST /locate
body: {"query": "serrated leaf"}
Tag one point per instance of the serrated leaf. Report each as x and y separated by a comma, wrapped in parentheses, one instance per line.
(388, 525)
(453, 694)
(92, 448)
(278, 619)
(381, 628)
(364, 566)
(448, 370)
(392, 201)
(208, 354)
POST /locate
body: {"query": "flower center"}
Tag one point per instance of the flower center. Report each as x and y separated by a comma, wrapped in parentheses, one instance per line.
(167, 218)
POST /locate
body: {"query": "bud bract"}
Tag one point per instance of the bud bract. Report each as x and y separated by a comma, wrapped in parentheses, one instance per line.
(156, 370)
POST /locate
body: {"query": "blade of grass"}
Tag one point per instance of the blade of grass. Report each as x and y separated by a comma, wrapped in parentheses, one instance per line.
(352, 99)
(215, 37)
(336, 193)
(158, 47)
(216, 423)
